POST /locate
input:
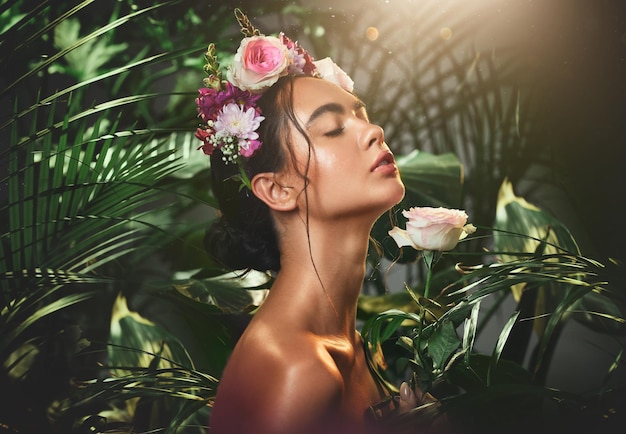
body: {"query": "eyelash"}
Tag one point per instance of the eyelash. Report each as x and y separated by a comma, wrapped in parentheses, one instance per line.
(335, 133)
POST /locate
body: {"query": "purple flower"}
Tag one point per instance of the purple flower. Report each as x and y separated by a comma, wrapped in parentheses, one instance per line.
(249, 148)
(301, 61)
(208, 103)
(236, 123)
(235, 120)
(233, 95)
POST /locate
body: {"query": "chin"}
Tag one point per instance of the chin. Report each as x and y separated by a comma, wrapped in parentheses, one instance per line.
(397, 195)
(391, 199)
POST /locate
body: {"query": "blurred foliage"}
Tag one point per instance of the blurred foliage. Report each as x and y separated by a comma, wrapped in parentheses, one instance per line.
(95, 119)
(113, 318)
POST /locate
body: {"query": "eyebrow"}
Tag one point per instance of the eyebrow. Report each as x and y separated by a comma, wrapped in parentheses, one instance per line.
(332, 107)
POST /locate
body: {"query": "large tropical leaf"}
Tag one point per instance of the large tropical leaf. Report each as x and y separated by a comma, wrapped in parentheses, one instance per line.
(148, 372)
(554, 301)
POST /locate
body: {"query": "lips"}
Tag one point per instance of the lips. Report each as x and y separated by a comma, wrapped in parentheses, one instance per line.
(384, 160)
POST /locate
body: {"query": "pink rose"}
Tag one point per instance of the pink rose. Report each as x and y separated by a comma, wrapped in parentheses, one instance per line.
(432, 229)
(330, 71)
(259, 62)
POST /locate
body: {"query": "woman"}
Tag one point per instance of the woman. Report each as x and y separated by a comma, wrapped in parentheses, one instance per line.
(317, 174)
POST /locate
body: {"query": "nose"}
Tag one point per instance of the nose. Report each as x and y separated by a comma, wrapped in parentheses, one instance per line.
(374, 136)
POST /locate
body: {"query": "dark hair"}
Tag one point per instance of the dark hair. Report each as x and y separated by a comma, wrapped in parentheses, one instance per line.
(244, 236)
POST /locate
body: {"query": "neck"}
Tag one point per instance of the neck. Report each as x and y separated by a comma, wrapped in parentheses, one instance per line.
(322, 274)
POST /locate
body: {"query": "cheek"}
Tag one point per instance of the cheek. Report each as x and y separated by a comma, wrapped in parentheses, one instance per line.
(328, 162)
(329, 169)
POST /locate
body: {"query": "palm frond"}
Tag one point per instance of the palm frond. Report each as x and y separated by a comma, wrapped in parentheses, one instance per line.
(86, 39)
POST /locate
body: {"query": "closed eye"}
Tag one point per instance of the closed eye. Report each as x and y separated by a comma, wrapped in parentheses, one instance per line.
(335, 133)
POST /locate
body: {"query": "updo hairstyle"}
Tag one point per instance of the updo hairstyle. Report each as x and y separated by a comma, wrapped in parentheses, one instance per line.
(244, 236)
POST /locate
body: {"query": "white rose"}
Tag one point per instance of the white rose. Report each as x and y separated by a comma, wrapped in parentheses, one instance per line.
(330, 71)
(435, 229)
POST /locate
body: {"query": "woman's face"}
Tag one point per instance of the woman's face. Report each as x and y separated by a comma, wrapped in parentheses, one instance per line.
(352, 172)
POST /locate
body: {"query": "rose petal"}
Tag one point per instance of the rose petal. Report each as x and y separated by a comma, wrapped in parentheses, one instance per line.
(401, 237)
(330, 71)
(435, 229)
(258, 63)
(468, 229)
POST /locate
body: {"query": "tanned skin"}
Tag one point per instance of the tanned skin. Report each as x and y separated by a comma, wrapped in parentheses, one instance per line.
(300, 367)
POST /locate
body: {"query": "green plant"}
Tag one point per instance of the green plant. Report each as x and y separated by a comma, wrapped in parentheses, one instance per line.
(88, 164)
(104, 199)
(535, 257)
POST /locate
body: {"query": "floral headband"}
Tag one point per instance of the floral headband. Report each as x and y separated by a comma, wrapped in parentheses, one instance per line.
(228, 107)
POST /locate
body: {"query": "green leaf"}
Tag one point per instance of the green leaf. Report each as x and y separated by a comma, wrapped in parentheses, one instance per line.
(474, 375)
(100, 31)
(524, 228)
(388, 322)
(513, 407)
(521, 226)
(469, 331)
(85, 60)
(442, 344)
(502, 338)
(136, 342)
(230, 292)
(431, 180)
(370, 305)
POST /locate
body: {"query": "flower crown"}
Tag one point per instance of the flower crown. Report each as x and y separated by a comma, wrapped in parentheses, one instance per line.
(228, 107)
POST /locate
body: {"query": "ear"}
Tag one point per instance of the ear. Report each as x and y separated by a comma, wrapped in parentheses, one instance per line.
(277, 196)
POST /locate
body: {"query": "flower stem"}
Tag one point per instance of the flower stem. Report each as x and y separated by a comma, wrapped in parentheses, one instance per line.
(428, 260)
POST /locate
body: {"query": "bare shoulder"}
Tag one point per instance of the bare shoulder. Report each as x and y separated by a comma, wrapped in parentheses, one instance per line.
(281, 382)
